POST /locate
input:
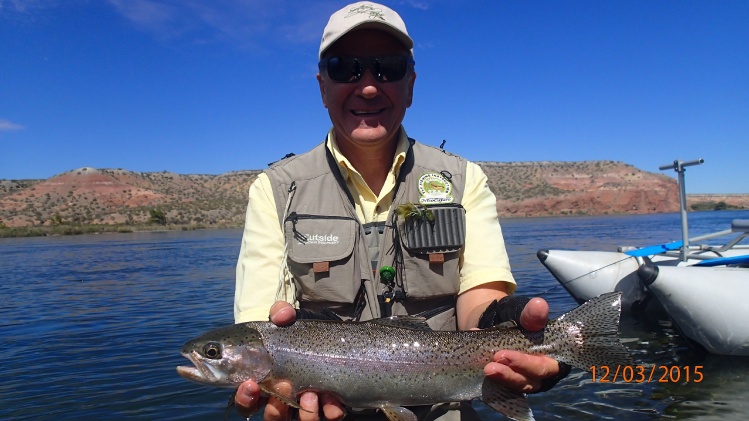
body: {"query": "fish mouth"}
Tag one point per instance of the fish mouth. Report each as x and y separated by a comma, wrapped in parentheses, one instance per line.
(189, 372)
(199, 372)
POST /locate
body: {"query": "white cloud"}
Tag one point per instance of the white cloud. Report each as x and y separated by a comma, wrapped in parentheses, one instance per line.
(9, 126)
(241, 22)
(19, 5)
(417, 4)
(25, 11)
(205, 21)
(253, 23)
(148, 14)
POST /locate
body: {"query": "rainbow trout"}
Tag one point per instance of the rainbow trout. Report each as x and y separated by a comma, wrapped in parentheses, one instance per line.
(397, 362)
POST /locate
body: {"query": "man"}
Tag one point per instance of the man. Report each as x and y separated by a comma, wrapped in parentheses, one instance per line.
(329, 230)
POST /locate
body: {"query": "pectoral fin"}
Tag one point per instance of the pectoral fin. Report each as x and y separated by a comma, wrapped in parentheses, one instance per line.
(276, 393)
(398, 413)
(512, 404)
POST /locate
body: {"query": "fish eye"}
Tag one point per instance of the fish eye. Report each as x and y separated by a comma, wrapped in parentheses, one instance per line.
(212, 350)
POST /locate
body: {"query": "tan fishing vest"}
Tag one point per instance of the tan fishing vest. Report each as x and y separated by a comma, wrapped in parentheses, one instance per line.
(335, 261)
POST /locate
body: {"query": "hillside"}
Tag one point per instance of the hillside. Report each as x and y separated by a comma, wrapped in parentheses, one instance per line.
(579, 188)
(105, 196)
(117, 196)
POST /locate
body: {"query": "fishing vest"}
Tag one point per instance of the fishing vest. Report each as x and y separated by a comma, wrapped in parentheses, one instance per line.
(338, 264)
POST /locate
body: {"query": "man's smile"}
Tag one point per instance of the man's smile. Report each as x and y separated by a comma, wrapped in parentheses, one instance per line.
(370, 112)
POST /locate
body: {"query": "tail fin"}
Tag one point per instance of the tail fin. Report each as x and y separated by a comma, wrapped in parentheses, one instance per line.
(591, 334)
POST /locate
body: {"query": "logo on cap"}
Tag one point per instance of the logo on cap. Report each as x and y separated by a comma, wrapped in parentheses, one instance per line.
(366, 9)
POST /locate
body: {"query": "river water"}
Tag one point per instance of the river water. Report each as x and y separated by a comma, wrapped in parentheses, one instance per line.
(91, 326)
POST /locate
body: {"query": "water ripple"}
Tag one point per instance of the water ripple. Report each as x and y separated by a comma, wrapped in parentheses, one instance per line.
(92, 325)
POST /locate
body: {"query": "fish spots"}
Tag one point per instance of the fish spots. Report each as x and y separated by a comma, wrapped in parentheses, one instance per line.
(375, 364)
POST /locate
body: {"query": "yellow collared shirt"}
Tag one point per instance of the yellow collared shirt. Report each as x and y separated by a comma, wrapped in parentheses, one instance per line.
(483, 260)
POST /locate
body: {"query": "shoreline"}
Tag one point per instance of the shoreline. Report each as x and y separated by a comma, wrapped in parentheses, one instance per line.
(88, 229)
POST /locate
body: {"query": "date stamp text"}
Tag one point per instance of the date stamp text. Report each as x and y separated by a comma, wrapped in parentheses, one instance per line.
(646, 374)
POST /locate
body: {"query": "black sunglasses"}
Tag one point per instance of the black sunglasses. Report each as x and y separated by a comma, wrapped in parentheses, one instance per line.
(348, 69)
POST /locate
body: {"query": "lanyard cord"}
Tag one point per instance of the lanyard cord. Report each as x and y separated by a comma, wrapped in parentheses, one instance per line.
(285, 289)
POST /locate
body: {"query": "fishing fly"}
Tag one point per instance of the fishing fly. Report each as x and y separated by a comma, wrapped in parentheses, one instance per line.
(415, 212)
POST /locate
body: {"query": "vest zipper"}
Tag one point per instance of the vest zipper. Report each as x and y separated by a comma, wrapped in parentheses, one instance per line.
(294, 217)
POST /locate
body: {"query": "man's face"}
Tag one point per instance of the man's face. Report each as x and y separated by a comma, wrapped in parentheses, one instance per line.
(367, 112)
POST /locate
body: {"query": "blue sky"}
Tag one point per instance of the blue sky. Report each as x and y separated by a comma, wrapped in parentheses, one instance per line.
(212, 86)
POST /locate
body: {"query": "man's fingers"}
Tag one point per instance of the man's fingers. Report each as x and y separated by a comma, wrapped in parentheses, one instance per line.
(282, 313)
(528, 365)
(521, 372)
(331, 408)
(275, 410)
(510, 379)
(309, 407)
(247, 398)
(535, 315)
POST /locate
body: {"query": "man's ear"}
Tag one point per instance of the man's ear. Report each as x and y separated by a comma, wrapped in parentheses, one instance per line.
(411, 89)
(321, 82)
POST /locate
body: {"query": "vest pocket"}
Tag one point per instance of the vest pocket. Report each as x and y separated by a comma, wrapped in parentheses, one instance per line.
(434, 229)
(441, 231)
(320, 256)
(425, 280)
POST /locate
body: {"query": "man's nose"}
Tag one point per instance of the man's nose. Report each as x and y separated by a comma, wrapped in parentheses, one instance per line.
(369, 84)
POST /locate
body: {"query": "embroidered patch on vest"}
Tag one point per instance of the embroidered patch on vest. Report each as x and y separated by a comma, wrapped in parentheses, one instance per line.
(435, 189)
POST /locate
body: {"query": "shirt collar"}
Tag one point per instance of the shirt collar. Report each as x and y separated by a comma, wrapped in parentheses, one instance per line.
(344, 165)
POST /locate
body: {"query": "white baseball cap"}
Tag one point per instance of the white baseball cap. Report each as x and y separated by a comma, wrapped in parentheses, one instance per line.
(364, 14)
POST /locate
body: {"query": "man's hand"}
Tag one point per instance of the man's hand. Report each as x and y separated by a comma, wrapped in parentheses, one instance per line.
(522, 372)
(519, 371)
(248, 398)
